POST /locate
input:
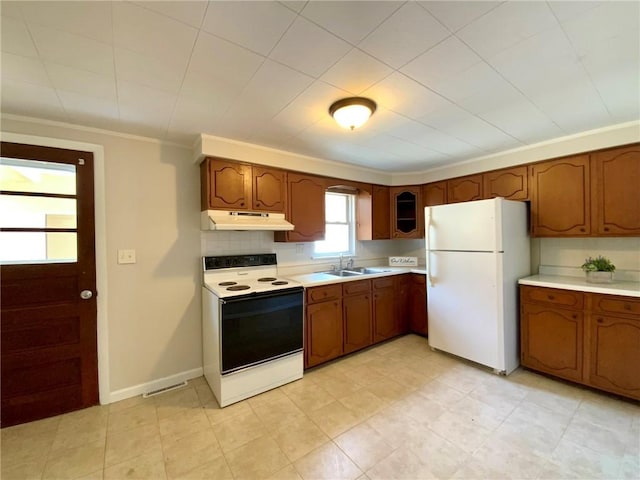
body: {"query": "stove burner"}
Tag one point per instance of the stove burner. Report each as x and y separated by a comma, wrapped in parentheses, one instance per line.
(267, 279)
(280, 282)
(235, 288)
(226, 284)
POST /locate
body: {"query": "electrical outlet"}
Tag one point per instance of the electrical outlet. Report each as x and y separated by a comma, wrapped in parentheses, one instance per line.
(299, 248)
(126, 256)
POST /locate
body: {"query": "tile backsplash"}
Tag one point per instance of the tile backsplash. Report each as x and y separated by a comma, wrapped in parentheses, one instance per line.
(562, 256)
(296, 258)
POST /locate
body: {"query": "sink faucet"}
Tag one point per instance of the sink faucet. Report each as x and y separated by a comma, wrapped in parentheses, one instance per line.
(341, 258)
(350, 263)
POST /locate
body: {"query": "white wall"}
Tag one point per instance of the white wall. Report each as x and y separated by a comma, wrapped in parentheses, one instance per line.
(152, 206)
(565, 255)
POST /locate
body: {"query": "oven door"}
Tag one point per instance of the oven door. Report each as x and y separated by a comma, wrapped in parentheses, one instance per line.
(259, 328)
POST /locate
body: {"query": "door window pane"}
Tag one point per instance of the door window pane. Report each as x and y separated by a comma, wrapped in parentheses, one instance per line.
(24, 247)
(18, 211)
(17, 175)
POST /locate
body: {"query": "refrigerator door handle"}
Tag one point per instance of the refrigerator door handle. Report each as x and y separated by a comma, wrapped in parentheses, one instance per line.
(427, 226)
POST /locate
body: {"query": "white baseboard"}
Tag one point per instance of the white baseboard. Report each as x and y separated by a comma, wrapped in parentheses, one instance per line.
(154, 385)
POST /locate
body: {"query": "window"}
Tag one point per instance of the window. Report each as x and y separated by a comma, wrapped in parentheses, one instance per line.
(38, 215)
(340, 226)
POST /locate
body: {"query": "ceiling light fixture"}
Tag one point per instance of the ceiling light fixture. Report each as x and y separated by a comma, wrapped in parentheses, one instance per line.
(352, 112)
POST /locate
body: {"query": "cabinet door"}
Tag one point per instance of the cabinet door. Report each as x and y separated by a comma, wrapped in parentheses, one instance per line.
(560, 197)
(306, 209)
(384, 314)
(323, 332)
(615, 354)
(269, 189)
(464, 189)
(552, 340)
(434, 194)
(356, 312)
(615, 181)
(227, 185)
(380, 214)
(510, 183)
(403, 303)
(418, 304)
(406, 212)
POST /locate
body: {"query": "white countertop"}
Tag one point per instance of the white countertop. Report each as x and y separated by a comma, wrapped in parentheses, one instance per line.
(319, 278)
(628, 289)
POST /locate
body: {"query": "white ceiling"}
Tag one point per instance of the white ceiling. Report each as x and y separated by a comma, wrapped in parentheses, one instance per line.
(453, 79)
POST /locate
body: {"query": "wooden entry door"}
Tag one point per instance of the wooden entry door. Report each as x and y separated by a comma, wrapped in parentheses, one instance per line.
(47, 282)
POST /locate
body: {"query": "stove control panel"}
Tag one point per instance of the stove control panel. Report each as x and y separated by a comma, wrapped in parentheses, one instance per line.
(231, 261)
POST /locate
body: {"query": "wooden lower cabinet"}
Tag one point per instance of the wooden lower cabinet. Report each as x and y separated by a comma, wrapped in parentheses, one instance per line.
(596, 342)
(403, 303)
(552, 340)
(323, 332)
(384, 309)
(356, 312)
(418, 304)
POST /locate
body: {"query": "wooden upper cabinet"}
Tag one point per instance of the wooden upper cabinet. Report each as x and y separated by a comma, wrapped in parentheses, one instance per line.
(615, 182)
(406, 212)
(380, 214)
(560, 200)
(269, 189)
(305, 209)
(464, 189)
(225, 185)
(510, 183)
(434, 194)
(231, 185)
(372, 213)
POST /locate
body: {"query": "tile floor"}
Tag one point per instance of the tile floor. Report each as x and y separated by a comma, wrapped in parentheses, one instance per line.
(397, 410)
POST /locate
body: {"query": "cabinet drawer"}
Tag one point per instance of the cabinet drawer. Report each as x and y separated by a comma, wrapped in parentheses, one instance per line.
(552, 296)
(326, 292)
(383, 282)
(354, 288)
(614, 304)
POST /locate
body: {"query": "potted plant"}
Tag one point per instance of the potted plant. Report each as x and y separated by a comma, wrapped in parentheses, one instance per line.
(599, 269)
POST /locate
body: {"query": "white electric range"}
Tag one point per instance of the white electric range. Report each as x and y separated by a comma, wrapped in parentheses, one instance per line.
(252, 326)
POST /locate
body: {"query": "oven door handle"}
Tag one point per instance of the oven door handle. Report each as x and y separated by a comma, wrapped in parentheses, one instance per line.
(253, 296)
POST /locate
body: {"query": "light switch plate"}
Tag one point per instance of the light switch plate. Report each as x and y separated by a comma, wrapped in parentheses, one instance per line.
(126, 256)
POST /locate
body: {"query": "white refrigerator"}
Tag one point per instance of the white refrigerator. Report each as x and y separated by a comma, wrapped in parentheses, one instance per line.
(476, 252)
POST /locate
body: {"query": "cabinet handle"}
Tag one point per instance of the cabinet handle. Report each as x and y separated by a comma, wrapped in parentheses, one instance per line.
(600, 320)
(582, 230)
(242, 204)
(606, 229)
(551, 297)
(574, 316)
(627, 306)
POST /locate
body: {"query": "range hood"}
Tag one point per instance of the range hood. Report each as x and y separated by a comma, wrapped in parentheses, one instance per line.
(226, 220)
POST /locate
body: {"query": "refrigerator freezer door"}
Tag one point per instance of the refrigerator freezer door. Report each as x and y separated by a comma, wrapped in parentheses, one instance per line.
(468, 226)
(465, 317)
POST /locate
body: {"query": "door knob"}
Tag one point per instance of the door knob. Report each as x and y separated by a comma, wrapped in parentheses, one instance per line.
(86, 294)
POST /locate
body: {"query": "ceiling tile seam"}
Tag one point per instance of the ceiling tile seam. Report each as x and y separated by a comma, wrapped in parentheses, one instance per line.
(141, 4)
(264, 59)
(184, 74)
(402, 4)
(498, 5)
(524, 95)
(420, 146)
(477, 115)
(53, 87)
(435, 92)
(584, 68)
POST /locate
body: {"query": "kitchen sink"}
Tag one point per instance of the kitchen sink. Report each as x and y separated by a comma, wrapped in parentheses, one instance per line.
(355, 271)
(343, 273)
(367, 270)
